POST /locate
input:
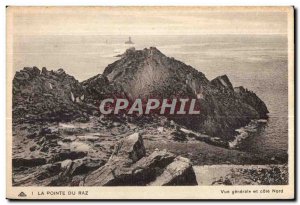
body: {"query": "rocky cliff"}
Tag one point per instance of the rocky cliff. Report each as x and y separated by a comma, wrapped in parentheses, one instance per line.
(149, 73)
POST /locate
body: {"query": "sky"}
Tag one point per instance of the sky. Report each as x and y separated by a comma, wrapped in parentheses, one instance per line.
(146, 21)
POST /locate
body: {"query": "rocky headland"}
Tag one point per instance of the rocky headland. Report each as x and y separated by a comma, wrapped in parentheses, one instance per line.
(60, 137)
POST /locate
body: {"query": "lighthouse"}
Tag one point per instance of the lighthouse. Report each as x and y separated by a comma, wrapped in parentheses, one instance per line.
(129, 41)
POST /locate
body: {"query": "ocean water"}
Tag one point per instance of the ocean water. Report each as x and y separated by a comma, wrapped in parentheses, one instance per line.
(257, 62)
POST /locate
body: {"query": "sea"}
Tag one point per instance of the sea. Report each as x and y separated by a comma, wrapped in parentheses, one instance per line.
(257, 62)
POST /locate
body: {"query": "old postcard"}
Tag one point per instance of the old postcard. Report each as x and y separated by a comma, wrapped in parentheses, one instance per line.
(150, 103)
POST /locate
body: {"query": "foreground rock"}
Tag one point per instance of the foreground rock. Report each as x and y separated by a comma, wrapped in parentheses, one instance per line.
(179, 172)
(129, 166)
(31, 162)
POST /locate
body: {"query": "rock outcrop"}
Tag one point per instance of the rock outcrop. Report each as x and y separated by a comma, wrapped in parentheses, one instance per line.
(253, 100)
(179, 172)
(222, 82)
(42, 95)
(149, 73)
(129, 165)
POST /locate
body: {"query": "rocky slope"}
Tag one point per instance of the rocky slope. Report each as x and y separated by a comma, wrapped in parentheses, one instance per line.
(148, 72)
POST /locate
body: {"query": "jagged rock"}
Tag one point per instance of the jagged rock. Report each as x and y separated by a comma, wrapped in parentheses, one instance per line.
(251, 99)
(64, 176)
(77, 180)
(179, 172)
(140, 173)
(66, 167)
(222, 82)
(130, 149)
(66, 172)
(153, 71)
(49, 170)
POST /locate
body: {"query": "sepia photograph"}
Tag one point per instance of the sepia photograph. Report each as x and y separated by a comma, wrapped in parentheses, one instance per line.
(150, 102)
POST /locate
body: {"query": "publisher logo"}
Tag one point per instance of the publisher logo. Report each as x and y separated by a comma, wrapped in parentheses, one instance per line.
(22, 194)
(180, 106)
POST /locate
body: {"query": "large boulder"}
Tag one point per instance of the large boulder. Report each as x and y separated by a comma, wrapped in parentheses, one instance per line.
(129, 150)
(179, 172)
(126, 152)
